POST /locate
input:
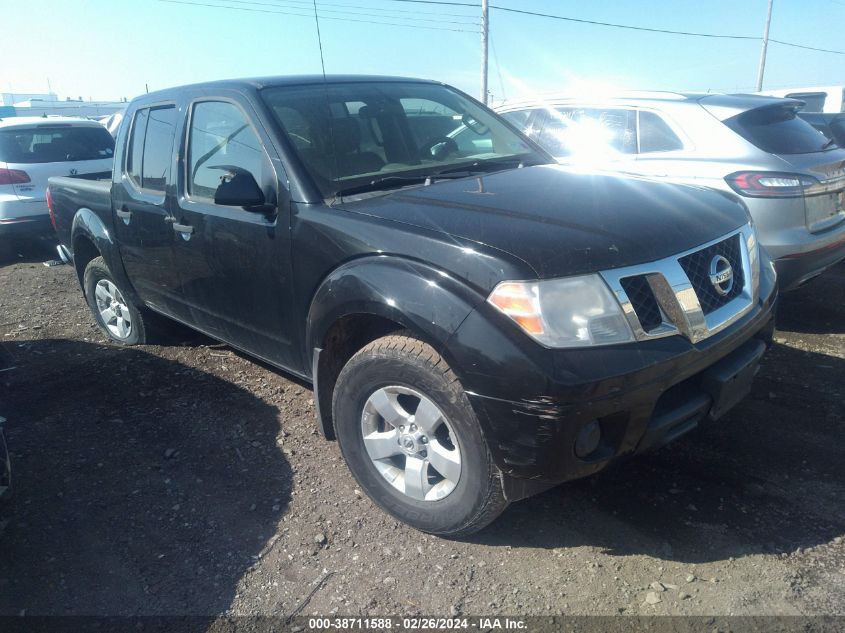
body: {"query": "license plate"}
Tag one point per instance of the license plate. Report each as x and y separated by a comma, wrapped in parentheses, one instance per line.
(824, 207)
(729, 380)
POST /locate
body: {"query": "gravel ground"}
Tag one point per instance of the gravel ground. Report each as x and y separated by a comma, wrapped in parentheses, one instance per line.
(188, 479)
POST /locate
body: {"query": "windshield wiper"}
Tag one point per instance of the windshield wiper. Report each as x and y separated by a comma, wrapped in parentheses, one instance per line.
(385, 183)
(486, 166)
(396, 182)
(381, 184)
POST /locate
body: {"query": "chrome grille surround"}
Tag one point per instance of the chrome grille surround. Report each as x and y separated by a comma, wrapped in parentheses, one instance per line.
(679, 303)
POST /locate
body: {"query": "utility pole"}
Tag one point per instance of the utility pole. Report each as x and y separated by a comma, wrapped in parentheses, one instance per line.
(762, 68)
(485, 31)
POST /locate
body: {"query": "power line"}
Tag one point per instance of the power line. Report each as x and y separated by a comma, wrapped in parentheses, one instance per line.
(474, 6)
(653, 30)
(808, 48)
(370, 8)
(622, 26)
(217, 6)
(372, 15)
(450, 4)
(324, 17)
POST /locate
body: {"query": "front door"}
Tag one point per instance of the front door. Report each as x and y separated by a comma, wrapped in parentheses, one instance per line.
(142, 209)
(234, 261)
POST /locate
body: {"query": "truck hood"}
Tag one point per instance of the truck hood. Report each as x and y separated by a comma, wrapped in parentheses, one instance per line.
(564, 223)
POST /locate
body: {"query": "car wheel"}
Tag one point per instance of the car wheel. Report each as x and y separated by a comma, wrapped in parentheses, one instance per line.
(410, 437)
(118, 318)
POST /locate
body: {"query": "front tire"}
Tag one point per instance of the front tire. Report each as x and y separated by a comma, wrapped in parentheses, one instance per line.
(410, 437)
(117, 317)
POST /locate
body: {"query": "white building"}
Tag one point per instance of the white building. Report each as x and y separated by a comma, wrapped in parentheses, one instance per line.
(11, 98)
(29, 104)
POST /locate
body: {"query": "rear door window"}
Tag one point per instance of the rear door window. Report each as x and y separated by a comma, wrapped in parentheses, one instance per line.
(158, 148)
(135, 155)
(55, 144)
(778, 130)
(656, 135)
(573, 131)
(150, 151)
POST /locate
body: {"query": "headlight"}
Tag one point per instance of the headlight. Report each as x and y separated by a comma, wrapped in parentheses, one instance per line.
(569, 312)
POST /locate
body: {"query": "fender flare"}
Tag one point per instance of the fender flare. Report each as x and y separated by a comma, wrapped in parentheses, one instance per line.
(418, 296)
(88, 225)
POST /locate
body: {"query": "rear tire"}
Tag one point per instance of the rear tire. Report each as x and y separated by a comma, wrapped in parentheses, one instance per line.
(116, 316)
(410, 437)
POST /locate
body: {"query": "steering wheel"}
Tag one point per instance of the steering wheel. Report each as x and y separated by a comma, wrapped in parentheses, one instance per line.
(438, 148)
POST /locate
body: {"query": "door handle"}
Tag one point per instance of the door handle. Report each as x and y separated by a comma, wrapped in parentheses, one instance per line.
(124, 214)
(183, 228)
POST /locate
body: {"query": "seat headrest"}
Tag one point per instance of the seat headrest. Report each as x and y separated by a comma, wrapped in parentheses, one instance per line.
(347, 135)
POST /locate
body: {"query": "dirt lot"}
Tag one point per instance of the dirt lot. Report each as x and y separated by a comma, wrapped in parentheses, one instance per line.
(187, 479)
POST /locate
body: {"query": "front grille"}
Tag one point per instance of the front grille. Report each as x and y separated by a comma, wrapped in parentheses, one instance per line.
(697, 267)
(643, 301)
(675, 296)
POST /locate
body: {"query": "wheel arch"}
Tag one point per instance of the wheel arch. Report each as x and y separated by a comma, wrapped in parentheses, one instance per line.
(91, 238)
(372, 297)
(84, 250)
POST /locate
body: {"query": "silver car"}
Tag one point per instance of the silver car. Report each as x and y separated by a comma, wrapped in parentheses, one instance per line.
(789, 175)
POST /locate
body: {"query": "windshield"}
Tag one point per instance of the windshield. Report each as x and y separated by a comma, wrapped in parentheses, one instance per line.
(359, 135)
(55, 144)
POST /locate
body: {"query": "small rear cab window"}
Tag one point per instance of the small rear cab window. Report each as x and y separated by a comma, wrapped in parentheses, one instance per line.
(55, 144)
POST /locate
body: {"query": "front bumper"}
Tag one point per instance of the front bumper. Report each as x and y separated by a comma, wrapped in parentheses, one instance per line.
(642, 395)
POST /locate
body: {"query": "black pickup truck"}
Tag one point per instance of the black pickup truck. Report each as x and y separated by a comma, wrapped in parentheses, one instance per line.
(478, 324)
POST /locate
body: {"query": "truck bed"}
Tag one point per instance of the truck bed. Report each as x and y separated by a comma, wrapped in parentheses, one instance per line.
(70, 194)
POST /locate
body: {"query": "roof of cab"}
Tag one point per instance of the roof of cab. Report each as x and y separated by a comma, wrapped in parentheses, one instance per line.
(258, 83)
(41, 121)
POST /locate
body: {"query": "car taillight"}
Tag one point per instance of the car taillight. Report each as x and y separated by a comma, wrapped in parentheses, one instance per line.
(13, 176)
(770, 184)
(50, 209)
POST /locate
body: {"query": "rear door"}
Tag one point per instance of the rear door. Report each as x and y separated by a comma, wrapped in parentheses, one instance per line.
(234, 261)
(142, 200)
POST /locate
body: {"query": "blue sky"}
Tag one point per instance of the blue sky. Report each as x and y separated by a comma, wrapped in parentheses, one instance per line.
(106, 49)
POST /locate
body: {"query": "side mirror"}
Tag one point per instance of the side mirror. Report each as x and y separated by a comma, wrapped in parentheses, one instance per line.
(238, 188)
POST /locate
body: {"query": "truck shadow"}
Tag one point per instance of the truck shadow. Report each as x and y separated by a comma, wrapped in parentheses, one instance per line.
(26, 250)
(818, 307)
(766, 478)
(142, 485)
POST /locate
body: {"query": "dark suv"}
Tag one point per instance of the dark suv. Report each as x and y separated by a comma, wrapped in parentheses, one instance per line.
(478, 324)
